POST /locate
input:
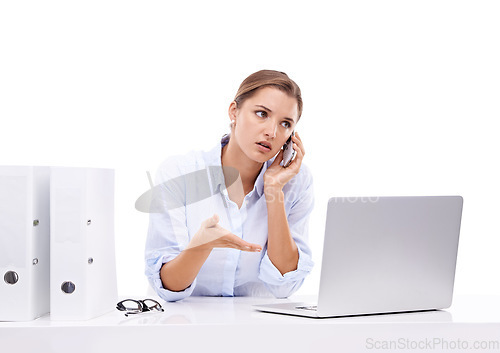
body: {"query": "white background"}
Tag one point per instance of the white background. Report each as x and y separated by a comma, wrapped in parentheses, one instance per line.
(400, 98)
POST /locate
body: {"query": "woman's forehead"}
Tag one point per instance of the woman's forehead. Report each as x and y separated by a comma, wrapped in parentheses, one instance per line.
(275, 101)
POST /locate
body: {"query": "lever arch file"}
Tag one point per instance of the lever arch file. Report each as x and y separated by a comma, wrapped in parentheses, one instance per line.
(24, 242)
(83, 269)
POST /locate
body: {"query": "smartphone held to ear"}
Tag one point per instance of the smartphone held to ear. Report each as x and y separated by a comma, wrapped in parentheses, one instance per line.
(288, 152)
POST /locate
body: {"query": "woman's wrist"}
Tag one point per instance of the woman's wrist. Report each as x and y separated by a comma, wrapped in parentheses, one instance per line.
(199, 243)
(273, 193)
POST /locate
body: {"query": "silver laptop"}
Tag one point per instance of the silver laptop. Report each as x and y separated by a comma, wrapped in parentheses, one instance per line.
(385, 255)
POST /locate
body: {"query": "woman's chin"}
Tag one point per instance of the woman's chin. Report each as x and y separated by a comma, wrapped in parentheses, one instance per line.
(259, 157)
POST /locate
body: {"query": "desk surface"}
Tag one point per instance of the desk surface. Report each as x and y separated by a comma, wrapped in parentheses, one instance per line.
(232, 324)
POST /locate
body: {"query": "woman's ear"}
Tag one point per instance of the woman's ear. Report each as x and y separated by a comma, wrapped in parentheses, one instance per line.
(233, 110)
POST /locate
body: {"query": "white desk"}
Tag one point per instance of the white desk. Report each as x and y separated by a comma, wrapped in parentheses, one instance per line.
(203, 324)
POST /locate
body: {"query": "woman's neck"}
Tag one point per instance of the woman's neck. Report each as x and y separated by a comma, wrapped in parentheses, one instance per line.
(233, 156)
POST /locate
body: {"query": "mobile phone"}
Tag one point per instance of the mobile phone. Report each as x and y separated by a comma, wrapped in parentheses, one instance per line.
(288, 151)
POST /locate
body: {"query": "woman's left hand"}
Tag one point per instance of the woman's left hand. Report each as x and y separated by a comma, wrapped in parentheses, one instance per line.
(277, 176)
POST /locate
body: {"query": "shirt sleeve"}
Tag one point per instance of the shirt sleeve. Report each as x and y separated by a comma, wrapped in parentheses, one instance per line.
(282, 286)
(168, 232)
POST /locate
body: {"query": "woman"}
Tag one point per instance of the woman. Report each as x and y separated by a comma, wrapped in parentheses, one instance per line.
(235, 221)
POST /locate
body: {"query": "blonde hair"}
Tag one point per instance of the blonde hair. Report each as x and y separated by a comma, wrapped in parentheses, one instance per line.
(268, 78)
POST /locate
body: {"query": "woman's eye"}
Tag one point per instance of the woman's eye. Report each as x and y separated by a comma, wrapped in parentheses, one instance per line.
(286, 124)
(261, 113)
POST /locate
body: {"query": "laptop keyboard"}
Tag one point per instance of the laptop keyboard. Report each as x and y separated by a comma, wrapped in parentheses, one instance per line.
(308, 307)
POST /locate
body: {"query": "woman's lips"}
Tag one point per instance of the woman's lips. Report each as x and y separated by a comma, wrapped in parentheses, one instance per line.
(263, 148)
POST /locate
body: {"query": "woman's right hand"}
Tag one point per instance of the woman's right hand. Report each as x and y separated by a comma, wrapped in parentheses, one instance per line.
(212, 235)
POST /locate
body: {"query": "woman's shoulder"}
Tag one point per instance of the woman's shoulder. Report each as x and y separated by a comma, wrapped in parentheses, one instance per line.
(181, 164)
(305, 174)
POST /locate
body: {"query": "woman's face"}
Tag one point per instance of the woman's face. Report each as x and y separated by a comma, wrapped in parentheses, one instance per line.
(264, 122)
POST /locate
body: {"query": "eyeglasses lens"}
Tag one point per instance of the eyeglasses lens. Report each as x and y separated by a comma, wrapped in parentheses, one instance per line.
(130, 306)
(151, 304)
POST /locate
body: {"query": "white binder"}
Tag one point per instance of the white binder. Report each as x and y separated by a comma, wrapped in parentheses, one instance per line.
(83, 268)
(24, 242)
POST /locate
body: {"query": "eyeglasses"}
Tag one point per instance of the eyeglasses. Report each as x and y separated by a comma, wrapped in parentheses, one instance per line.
(132, 306)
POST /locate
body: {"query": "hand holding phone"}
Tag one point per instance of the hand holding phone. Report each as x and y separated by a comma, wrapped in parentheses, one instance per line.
(288, 151)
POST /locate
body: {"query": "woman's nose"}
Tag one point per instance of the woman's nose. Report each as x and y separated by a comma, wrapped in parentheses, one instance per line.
(271, 128)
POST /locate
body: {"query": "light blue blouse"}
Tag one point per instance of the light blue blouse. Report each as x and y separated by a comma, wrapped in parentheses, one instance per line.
(199, 191)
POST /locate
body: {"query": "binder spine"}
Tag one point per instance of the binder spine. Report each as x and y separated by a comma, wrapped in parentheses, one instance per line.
(24, 242)
(40, 230)
(83, 269)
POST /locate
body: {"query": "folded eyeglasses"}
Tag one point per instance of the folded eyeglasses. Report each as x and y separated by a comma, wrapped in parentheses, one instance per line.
(132, 306)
